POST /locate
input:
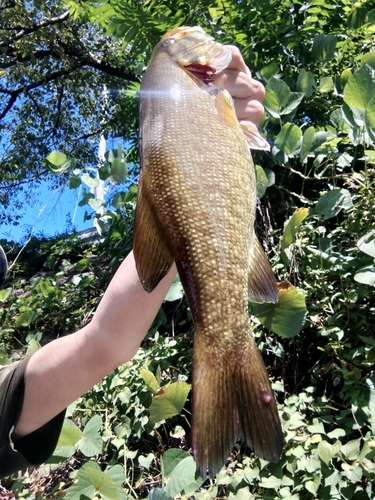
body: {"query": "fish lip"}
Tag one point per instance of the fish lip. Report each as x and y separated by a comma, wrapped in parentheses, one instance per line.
(192, 45)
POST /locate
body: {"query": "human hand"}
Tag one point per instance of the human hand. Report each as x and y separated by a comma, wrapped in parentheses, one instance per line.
(247, 93)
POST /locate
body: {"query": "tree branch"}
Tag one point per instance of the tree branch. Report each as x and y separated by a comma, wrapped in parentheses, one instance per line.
(15, 93)
(36, 27)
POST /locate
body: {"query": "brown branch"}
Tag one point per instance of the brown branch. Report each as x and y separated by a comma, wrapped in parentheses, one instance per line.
(24, 89)
(36, 27)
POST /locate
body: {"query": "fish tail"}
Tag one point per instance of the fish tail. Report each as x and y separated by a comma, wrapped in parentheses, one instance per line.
(232, 400)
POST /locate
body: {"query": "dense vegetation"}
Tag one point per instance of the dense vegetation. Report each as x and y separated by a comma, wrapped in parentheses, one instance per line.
(315, 217)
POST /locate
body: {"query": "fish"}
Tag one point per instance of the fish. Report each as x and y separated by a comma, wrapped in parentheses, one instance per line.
(196, 207)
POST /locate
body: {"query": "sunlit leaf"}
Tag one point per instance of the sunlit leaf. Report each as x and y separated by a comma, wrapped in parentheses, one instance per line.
(91, 442)
(150, 380)
(168, 401)
(327, 451)
(176, 291)
(367, 243)
(326, 84)
(181, 476)
(366, 275)
(287, 316)
(293, 225)
(288, 138)
(307, 141)
(145, 461)
(306, 83)
(279, 99)
(360, 88)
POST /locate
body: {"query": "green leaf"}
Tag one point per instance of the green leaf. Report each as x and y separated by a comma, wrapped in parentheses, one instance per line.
(168, 401)
(95, 204)
(56, 159)
(307, 141)
(176, 291)
(306, 83)
(145, 461)
(350, 450)
(317, 427)
(158, 494)
(58, 163)
(150, 380)
(368, 58)
(102, 483)
(327, 451)
(4, 294)
(287, 317)
(25, 318)
(292, 227)
(326, 84)
(271, 482)
(323, 48)
(367, 243)
(270, 70)
(170, 459)
(279, 99)
(117, 474)
(74, 182)
(70, 434)
(83, 488)
(262, 180)
(91, 442)
(82, 264)
(366, 275)
(183, 475)
(331, 203)
(119, 170)
(360, 88)
(352, 472)
(91, 181)
(313, 486)
(357, 17)
(288, 138)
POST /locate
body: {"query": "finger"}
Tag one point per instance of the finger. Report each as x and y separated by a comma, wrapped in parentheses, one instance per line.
(249, 112)
(237, 63)
(240, 85)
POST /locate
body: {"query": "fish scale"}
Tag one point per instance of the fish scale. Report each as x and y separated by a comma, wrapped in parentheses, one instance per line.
(196, 206)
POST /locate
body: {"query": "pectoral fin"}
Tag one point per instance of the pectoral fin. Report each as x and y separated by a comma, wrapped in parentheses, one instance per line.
(152, 256)
(225, 108)
(254, 139)
(262, 282)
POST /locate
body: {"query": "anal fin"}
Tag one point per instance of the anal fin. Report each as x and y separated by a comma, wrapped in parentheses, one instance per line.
(261, 280)
(153, 258)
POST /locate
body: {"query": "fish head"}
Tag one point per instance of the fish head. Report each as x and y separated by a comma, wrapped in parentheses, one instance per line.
(196, 51)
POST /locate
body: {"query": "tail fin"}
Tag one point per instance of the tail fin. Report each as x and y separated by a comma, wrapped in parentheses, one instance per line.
(232, 400)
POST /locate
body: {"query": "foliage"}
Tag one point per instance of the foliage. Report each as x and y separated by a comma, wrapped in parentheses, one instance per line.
(316, 219)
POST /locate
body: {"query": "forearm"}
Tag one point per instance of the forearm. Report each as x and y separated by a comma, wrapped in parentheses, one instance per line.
(66, 368)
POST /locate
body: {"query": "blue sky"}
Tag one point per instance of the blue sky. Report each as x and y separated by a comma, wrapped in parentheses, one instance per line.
(50, 215)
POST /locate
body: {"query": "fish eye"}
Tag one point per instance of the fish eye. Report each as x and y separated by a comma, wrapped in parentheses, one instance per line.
(167, 42)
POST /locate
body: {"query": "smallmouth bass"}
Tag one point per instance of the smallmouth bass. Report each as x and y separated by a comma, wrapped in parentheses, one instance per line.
(196, 207)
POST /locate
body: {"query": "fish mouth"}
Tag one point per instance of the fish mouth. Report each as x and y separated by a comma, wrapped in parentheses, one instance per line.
(203, 72)
(196, 51)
